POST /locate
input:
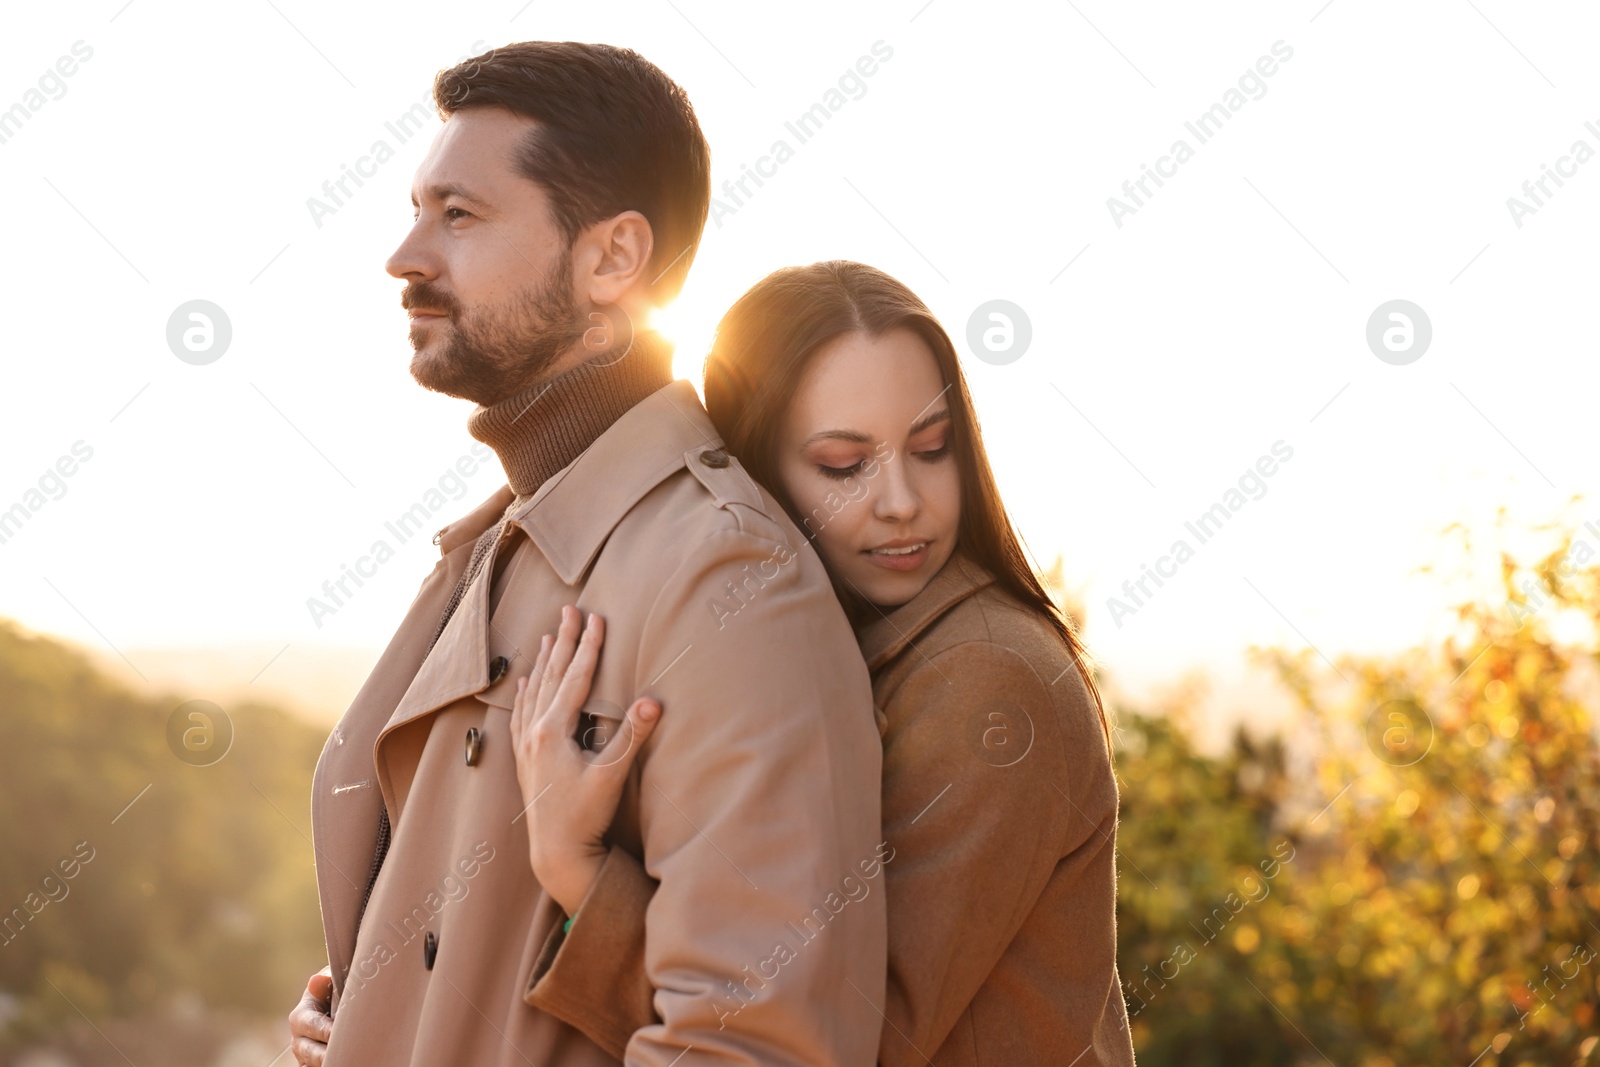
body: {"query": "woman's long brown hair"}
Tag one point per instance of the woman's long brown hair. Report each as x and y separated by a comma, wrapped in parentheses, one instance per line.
(762, 348)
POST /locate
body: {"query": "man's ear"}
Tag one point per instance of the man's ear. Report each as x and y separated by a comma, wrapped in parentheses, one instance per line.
(612, 259)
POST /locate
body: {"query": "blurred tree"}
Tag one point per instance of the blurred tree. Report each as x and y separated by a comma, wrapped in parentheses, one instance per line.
(184, 880)
(1443, 900)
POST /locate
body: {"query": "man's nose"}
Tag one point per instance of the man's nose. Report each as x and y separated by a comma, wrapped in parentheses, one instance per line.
(412, 260)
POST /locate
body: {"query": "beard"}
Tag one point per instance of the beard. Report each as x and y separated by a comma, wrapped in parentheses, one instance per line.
(490, 353)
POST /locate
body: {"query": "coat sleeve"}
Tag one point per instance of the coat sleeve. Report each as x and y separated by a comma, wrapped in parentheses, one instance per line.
(593, 976)
(976, 774)
(974, 765)
(759, 806)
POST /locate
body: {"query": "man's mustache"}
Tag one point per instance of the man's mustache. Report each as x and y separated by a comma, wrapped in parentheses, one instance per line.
(428, 298)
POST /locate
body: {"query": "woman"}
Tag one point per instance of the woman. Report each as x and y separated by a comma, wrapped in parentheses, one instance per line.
(839, 391)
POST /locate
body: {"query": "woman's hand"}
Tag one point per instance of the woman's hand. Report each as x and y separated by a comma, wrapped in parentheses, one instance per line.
(570, 793)
(310, 1026)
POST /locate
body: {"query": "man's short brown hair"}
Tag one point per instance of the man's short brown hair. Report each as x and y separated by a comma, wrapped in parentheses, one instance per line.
(615, 134)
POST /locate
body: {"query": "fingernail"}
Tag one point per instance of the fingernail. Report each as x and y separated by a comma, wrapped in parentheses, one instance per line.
(649, 711)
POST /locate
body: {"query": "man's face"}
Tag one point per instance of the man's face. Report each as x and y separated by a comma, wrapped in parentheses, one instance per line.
(488, 273)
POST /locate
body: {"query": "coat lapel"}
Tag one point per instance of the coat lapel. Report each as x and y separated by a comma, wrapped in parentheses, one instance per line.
(889, 634)
(345, 795)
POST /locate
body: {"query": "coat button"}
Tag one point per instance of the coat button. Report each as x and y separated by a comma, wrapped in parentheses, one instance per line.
(497, 668)
(474, 745)
(714, 457)
(430, 949)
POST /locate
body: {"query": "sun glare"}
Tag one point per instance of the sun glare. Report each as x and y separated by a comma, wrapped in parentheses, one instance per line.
(688, 324)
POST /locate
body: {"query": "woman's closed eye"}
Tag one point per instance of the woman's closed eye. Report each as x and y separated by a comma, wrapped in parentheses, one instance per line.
(841, 473)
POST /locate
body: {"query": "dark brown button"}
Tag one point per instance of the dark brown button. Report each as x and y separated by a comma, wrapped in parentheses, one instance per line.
(714, 457)
(474, 745)
(430, 949)
(497, 668)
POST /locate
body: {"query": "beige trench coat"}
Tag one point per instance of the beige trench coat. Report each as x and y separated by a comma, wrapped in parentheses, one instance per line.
(754, 804)
(1000, 813)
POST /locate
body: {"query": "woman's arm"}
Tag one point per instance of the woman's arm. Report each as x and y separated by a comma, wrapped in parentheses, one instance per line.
(983, 798)
(571, 796)
(978, 802)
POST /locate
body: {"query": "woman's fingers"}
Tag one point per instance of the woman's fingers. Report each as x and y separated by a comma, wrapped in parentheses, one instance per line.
(573, 691)
(641, 722)
(561, 654)
(524, 705)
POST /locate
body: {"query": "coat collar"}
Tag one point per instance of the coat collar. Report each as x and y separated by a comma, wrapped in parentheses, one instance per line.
(573, 513)
(568, 519)
(888, 635)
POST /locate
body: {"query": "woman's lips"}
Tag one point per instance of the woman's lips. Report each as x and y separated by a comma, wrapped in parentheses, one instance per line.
(899, 557)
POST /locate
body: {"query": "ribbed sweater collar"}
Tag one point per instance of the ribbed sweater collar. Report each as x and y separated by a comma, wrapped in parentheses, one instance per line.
(538, 431)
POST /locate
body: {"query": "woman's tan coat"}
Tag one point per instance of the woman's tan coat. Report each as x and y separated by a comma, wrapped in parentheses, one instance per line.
(1000, 813)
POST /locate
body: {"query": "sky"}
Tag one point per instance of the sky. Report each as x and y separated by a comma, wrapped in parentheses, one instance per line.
(1339, 163)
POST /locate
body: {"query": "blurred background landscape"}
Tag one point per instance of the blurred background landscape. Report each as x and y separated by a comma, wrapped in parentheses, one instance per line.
(1404, 873)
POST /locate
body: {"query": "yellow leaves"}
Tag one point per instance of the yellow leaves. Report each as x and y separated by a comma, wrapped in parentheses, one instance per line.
(1542, 811)
(1525, 901)
(1569, 846)
(1495, 691)
(1477, 735)
(1467, 887)
(1507, 727)
(1406, 803)
(1246, 939)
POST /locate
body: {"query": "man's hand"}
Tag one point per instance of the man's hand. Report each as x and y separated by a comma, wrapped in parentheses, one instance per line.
(310, 1025)
(570, 792)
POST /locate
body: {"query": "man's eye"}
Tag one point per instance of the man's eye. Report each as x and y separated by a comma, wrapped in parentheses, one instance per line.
(451, 213)
(841, 473)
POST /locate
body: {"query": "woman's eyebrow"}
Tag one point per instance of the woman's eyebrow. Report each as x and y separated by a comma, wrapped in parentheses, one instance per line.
(857, 437)
(854, 436)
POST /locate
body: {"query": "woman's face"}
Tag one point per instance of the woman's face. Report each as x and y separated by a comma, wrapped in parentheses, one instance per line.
(864, 454)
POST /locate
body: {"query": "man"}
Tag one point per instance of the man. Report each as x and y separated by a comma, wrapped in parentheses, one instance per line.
(562, 200)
